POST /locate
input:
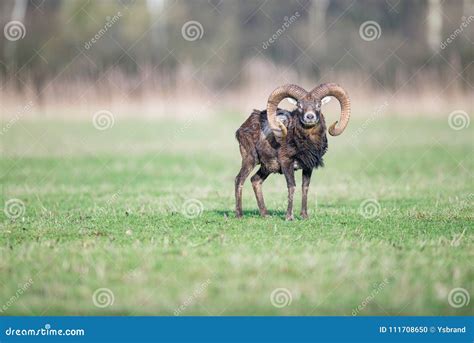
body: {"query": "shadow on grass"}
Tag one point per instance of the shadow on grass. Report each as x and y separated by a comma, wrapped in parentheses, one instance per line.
(246, 213)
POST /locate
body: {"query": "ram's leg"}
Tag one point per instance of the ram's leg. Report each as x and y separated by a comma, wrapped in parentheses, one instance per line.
(289, 173)
(248, 163)
(304, 202)
(257, 181)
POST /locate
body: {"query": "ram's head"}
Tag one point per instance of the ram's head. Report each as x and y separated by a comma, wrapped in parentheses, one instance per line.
(309, 106)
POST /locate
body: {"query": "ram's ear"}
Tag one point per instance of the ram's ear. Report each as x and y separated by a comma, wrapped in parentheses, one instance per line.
(291, 101)
(326, 99)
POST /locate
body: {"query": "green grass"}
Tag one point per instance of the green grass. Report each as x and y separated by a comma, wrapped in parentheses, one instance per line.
(104, 209)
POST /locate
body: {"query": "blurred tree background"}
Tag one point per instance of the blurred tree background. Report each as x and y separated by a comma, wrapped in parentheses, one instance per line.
(145, 48)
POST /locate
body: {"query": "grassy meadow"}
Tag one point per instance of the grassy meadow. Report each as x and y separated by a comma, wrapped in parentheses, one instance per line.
(143, 212)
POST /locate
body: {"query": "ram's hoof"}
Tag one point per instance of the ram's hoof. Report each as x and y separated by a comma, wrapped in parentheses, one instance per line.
(290, 217)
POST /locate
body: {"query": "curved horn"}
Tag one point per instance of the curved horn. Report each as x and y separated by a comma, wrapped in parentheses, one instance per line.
(332, 89)
(282, 92)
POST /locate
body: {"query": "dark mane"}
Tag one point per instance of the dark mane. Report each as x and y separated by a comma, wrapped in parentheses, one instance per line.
(309, 152)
